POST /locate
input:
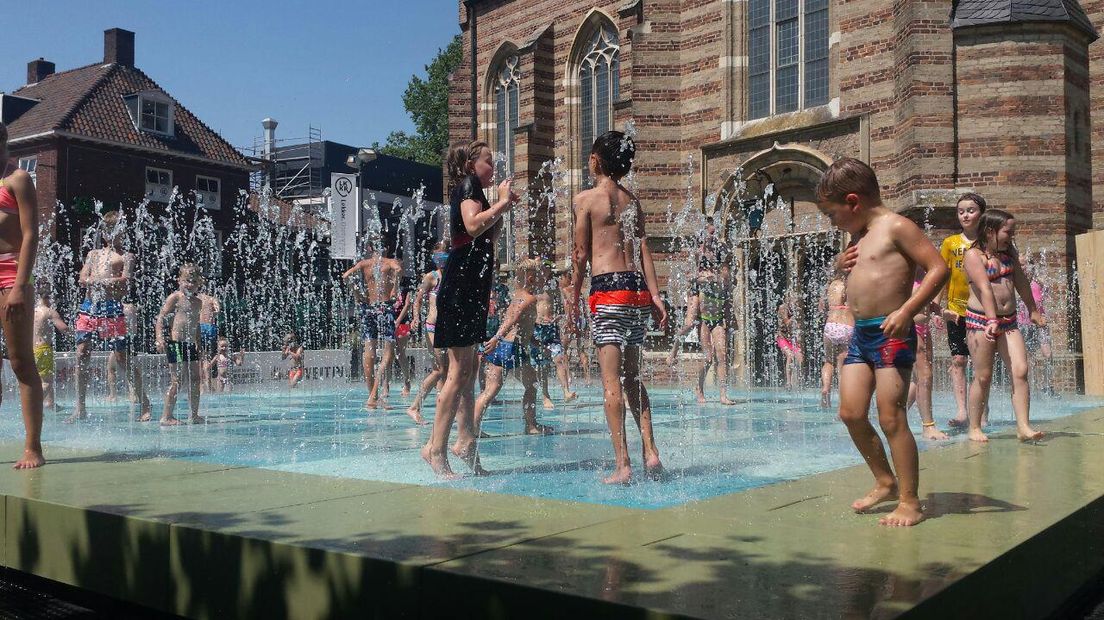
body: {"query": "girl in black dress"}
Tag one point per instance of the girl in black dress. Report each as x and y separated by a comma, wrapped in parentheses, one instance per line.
(463, 299)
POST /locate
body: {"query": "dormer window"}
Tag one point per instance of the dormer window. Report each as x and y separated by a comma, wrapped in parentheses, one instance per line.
(151, 112)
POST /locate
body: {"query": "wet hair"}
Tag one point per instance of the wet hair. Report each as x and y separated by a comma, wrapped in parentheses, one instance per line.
(991, 221)
(441, 246)
(190, 269)
(615, 152)
(458, 159)
(975, 198)
(848, 176)
(526, 268)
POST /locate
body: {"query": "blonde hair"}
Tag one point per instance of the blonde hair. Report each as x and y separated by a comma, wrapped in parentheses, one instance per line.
(530, 267)
(459, 157)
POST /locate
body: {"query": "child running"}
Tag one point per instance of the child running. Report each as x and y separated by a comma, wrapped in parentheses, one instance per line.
(611, 241)
(47, 322)
(883, 347)
(513, 347)
(184, 306)
(995, 276)
(293, 350)
(427, 293)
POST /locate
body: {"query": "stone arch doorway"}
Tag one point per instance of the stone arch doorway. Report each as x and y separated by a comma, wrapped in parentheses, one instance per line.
(782, 248)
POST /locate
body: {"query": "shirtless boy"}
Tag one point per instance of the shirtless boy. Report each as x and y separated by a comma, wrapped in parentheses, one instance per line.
(46, 320)
(547, 334)
(427, 294)
(375, 285)
(105, 276)
(513, 347)
(610, 239)
(881, 297)
(182, 347)
(208, 332)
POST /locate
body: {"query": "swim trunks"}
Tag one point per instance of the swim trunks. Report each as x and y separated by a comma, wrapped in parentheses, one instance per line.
(295, 374)
(402, 331)
(430, 327)
(956, 338)
(208, 337)
(44, 358)
(177, 352)
(102, 321)
(976, 321)
(508, 355)
(620, 305)
(377, 321)
(838, 333)
(870, 345)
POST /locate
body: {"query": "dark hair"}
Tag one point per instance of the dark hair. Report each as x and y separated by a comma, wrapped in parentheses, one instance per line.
(848, 176)
(615, 152)
(975, 198)
(458, 159)
(991, 220)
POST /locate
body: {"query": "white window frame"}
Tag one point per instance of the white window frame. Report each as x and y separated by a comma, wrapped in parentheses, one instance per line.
(159, 192)
(212, 201)
(772, 28)
(30, 166)
(156, 98)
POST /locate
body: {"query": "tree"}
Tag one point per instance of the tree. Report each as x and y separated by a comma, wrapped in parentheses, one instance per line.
(427, 103)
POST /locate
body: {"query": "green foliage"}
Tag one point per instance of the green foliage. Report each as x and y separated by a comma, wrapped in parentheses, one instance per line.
(426, 100)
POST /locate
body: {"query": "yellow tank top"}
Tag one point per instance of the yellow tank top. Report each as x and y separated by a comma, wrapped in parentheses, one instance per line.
(958, 288)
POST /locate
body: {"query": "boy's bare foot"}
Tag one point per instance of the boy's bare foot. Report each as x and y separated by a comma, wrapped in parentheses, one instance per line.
(903, 515)
(1026, 433)
(406, 391)
(79, 414)
(376, 404)
(31, 459)
(197, 419)
(439, 464)
(548, 404)
(145, 417)
(959, 422)
(621, 475)
(470, 455)
(825, 401)
(169, 421)
(876, 496)
(934, 434)
(975, 434)
(415, 414)
(700, 396)
(570, 396)
(539, 429)
(725, 400)
(653, 467)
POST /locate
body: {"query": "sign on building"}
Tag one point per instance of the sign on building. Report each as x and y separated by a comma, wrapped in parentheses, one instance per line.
(345, 208)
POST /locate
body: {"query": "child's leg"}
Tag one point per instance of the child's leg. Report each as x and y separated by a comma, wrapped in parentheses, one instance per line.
(461, 361)
(400, 354)
(133, 373)
(491, 386)
(827, 371)
(381, 372)
(83, 355)
(892, 388)
(641, 406)
(167, 418)
(609, 361)
(467, 432)
(982, 351)
(856, 385)
(1048, 360)
(564, 377)
(720, 363)
(195, 380)
(957, 370)
(544, 372)
(368, 363)
(923, 382)
(48, 390)
(528, 376)
(18, 332)
(1014, 354)
(705, 337)
(111, 376)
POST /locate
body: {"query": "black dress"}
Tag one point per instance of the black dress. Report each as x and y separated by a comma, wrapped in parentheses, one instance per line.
(465, 294)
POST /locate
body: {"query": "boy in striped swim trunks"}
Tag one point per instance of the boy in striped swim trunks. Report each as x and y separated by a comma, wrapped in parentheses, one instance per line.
(610, 239)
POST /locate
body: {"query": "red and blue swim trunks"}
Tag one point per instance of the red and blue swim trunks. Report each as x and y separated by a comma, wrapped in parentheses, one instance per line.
(104, 322)
(870, 345)
(620, 306)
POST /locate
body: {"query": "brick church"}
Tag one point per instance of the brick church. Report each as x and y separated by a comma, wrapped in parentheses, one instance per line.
(730, 97)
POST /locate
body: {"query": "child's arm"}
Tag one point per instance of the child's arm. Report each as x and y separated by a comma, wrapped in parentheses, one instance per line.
(513, 315)
(419, 296)
(405, 309)
(911, 242)
(659, 309)
(846, 260)
(692, 310)
(580, 257)
(85, 277)
(1023, 289)
(58, 323)
(159, 322)
(27, 198)
(351, 270)
(974, 262)
(476, 220)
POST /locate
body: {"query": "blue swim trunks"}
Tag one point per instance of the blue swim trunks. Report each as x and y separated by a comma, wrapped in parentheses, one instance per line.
(208, 337)
(869, 345)
(508, 355)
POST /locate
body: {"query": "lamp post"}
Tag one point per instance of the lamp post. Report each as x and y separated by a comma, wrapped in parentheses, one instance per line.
(357, 161)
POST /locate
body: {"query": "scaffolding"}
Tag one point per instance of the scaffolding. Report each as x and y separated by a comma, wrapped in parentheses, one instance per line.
(295, 165)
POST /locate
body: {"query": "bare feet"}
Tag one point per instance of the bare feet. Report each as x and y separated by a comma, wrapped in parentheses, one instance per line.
(653, 467)
(960, 422)
(197, 419)
(825, 400)
(169, 421)
(145, 417)
(79, 414)
(439, 464)
(876, 496)
(621, 475)
(415, 414)
(975, 434)
(406, 391)
(1026, 433)
(377, 404)
(725, 400)
(31, 459)
(934, 434)
(570, 396)
(903, 515)
(548, 404)
(539, 429)
(470, 455)
(700, 396)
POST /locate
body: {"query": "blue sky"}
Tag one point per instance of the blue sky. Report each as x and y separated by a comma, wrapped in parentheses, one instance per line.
(340, 66)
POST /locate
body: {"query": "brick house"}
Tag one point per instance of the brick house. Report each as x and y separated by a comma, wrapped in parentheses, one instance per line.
(731, 96)
(108, 132)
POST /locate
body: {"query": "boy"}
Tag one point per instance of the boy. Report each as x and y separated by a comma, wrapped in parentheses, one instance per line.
(610, 239)
(376, 291)
(46, 319)
(208, 331)
(184, 306)
(512, 347)
(881, 296)
(547, 333)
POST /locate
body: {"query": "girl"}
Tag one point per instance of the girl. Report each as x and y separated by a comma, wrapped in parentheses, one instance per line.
(970, 208)
(995, 276)
(787, 340)
(838, 327)
(920, 389)
(293, 350)
(464, 298)
(427, 290)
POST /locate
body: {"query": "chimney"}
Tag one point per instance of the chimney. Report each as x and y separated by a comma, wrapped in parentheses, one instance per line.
(119, 47)
(37, 70)
(269, 137)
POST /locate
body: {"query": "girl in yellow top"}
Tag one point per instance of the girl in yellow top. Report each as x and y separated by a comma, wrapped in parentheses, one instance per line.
(970, 207)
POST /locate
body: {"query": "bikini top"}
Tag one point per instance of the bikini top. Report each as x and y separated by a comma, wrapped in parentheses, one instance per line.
(436, 284)
(7, 199)
(1003, 271)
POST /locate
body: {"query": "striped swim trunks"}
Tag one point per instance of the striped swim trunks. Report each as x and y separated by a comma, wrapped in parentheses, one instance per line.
(620, 305)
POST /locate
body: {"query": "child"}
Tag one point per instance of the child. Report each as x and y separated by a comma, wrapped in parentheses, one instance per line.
(920, 390)
(610, 240)
(788, 339)
(184, 306)
(575, 334)
(208, 332)
(115, 360)
(883, 347)
(513, 347)
(995, 276)
(427, 290)
(18, 248)
(839, 325)
(293, 351)
(1037, 337)
(547, 333)
(707, 309)
(219, 365)
(970, 208)
(46, 320)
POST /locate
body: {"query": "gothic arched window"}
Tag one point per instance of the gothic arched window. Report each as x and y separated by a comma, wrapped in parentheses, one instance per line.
(506, 114)
(599, 86)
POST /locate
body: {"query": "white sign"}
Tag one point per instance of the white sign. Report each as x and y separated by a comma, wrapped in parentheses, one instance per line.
(344, 209)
